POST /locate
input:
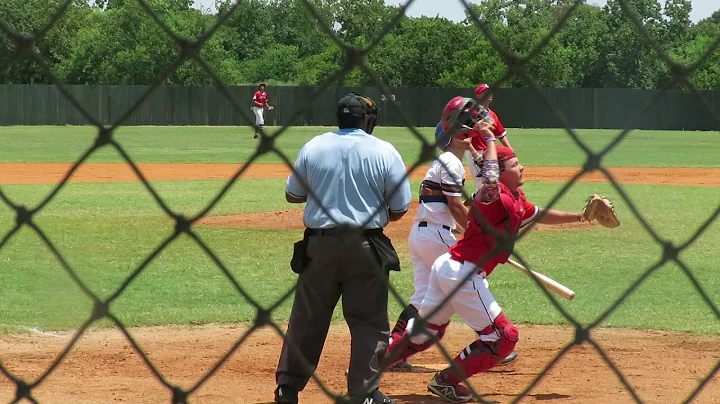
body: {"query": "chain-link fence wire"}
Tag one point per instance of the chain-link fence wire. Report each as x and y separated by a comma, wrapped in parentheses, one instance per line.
(188, 50)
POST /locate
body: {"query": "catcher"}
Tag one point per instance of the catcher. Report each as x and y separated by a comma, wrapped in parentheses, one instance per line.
(498, 207)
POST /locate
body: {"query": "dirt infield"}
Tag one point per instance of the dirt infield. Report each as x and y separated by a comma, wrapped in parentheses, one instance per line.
(103, 368)
(50, 173)
(663, 367)
(293, 219)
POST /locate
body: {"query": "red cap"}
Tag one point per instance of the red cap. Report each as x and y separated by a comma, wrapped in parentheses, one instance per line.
(504, 153)
(481, 89)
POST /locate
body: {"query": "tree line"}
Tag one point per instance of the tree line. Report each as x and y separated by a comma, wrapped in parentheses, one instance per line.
(281, 42)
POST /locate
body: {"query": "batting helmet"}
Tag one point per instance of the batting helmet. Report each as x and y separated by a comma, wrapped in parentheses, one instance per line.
(455, 109)
(461, 114)
(441, 137)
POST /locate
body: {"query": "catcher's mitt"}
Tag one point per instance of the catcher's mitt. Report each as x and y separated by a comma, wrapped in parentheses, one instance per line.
(600, 208)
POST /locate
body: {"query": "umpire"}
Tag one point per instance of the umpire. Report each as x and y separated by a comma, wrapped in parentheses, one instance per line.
(354, 184)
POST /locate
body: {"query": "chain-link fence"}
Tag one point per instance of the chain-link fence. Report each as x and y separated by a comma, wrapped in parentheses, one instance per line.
(354, 58)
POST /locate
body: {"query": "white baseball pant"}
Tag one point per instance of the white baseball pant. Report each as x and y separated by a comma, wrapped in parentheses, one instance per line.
(259, 119)
(426, 244)
(473, 301)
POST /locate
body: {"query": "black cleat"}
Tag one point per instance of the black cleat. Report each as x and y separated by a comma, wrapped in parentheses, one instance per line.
(285, 395)
(377, 397)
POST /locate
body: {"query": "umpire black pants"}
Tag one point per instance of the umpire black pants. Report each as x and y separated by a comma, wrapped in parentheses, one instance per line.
(347, 268)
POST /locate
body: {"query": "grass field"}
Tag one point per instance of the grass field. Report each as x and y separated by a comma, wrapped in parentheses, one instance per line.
(542, 147)
(105, 230)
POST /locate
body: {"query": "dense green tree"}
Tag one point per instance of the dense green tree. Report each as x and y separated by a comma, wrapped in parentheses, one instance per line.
(316, 68)
(124, 45)
(292, 24)
(677, 23)
(704, 34)
(478, 62)
(419, 50)
(29, 17)
(281, 41)
(520, 27)
(626, 57)
(248, 30)
(582, 36)
(359, 21)
(709, 27)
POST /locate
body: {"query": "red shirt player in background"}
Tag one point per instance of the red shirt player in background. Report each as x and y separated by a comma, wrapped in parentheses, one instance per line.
(501, 205)
(482, 93)
(259, 103)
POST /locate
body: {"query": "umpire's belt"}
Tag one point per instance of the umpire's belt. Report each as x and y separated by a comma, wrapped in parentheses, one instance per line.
(336, 231)
(425, 224)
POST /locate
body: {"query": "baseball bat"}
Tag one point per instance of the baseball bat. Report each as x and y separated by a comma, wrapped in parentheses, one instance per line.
(552, 285)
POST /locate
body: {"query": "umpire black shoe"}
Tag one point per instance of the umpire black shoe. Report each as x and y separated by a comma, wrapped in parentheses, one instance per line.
(377, 397)
(286, 395)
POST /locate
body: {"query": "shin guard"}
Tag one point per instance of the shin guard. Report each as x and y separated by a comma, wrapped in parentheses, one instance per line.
(402, 345)
(481, 356)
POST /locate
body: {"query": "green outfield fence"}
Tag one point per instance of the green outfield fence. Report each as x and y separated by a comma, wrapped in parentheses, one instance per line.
(239, 109)
(583, 108)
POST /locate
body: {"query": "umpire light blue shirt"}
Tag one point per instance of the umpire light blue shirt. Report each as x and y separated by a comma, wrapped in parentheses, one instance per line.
(352, 173)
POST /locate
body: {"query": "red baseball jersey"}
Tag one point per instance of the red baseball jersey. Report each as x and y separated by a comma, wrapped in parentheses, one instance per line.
(508, 213)
(260, 97)
(478, 142)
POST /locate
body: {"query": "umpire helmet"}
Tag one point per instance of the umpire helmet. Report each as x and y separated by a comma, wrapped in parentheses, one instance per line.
(357, 105)
(353, 107)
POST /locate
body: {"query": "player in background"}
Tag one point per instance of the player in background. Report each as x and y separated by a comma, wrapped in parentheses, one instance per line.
(482, 93)
(440, 211)
(260, 99)
(499, 205)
